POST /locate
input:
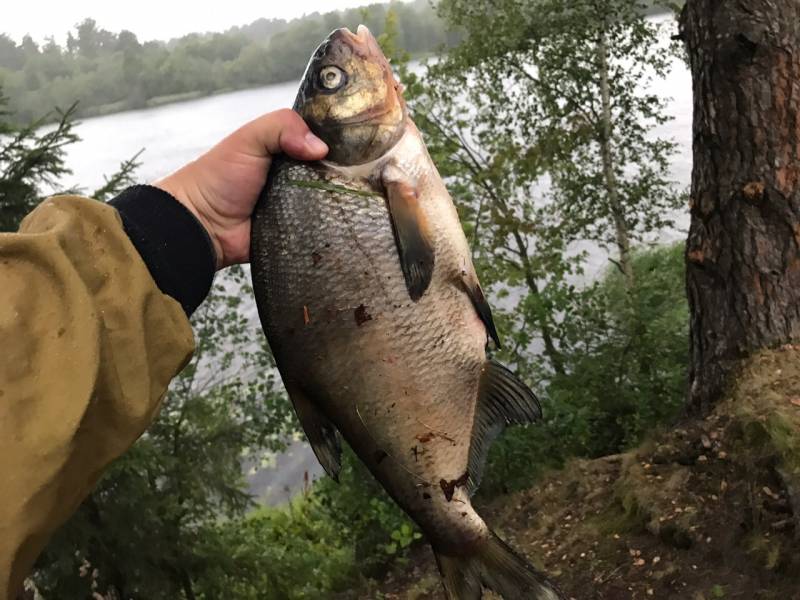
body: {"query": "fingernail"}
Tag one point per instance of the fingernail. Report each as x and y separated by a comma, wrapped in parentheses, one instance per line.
(314, 144)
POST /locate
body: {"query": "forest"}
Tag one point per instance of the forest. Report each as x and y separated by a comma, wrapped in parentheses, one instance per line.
(667, 464)
(107, 71)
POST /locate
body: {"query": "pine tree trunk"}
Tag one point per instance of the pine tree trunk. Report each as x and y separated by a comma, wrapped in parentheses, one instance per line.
(742, 258)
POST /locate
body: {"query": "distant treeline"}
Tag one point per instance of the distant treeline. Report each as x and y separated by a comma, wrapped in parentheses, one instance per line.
(107, 72)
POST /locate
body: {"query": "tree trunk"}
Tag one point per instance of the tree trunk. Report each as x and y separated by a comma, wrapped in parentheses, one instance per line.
(550, 350)
(742, 259)
(621, 236)
(186, 584)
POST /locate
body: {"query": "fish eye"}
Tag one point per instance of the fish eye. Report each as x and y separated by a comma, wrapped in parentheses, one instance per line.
(331, 78)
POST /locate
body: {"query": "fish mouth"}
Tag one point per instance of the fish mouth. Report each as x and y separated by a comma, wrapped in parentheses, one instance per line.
(362, 41)
(362, 34)
(360, 119)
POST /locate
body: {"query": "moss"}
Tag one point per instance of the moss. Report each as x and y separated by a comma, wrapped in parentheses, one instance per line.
(615, 519)
(783, 434)
(765, 410)
(768, 551)
(424, 588)
(648, 504)
(636, 503)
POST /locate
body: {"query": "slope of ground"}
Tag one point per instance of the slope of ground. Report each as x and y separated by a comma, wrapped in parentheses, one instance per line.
(706, 510)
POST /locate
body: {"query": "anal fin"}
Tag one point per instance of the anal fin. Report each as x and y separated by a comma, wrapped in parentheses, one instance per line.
(502, 400)
(320, 432)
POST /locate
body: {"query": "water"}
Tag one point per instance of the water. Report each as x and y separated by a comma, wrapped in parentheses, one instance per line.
(175, 134)
(170, 135)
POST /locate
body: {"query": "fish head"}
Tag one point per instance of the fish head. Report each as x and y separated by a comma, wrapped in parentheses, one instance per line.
(350, 98)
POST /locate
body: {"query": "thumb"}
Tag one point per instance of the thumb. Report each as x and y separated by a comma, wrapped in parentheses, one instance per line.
(280, 131)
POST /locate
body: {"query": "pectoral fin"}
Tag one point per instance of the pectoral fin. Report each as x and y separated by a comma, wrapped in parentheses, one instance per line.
(320, 432)
(502, 400)
(412, 235)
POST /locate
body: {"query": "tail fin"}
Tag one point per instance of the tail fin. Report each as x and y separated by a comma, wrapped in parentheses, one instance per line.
(496, 566)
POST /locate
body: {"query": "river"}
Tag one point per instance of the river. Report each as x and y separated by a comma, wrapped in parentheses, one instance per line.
(174, 134)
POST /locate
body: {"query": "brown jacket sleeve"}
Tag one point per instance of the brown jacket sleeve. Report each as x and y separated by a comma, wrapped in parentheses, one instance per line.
(88, 345)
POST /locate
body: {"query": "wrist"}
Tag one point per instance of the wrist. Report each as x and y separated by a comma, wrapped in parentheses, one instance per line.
(187, 194)
(172, 242)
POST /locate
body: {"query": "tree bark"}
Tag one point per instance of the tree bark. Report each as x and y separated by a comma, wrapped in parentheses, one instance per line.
(742, 259)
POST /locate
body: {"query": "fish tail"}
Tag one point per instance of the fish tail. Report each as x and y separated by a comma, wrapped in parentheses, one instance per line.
(494, 565)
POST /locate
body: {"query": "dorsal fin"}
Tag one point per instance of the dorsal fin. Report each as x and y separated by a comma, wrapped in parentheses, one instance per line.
(502, 400)
(320, 432)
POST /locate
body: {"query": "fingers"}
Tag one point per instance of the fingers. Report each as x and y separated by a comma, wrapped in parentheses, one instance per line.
(280, 131)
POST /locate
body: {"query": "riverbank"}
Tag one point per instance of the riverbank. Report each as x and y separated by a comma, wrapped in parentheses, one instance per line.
(705, 510)
(134, 104)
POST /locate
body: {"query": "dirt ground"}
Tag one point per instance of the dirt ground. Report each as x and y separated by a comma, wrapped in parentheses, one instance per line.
(709, 509)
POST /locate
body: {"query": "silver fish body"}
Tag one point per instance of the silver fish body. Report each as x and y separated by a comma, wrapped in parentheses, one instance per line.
(398, 378)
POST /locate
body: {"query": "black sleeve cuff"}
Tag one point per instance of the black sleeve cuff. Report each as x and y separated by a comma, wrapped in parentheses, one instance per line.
(172, 242)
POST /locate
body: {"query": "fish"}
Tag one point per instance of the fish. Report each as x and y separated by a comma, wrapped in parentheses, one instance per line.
(374, 313)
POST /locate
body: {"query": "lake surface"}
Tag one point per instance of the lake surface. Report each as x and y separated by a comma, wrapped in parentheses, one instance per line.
(175, 134)
(170, 135)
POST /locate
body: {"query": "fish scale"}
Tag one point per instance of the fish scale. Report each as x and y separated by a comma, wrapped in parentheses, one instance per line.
(335, 253)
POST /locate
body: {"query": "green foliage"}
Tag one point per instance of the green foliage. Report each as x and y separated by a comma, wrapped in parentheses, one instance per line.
(123, 178)
(324, 542)
(618, 385)
(30, 159)
(107, 72)
(280, 554)
(375, 527)
(541, 123)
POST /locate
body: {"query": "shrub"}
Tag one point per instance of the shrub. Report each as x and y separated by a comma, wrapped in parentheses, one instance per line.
(626, 366)
(324, 542)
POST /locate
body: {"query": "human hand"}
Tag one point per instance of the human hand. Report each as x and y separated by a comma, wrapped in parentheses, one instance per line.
(222, 186)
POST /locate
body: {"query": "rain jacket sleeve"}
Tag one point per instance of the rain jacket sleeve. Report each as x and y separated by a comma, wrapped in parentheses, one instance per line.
(90, 338)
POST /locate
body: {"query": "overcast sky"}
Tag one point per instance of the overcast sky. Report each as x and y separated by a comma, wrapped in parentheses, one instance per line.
(152, 19)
